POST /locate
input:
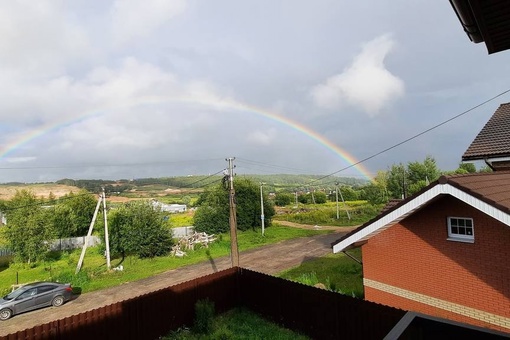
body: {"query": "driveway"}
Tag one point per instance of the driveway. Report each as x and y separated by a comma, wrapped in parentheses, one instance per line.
(270, 259)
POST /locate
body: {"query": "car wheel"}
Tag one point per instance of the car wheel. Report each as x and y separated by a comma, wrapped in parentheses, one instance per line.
(57, 301)
(5, 314)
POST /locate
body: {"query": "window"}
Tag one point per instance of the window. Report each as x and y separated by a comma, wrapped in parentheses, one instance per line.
(461, 229)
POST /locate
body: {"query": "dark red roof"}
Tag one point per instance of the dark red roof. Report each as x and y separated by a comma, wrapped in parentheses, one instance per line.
(493, 141)
(491, 187)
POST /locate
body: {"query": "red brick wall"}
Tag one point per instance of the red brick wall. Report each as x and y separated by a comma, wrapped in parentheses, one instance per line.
(415, 255)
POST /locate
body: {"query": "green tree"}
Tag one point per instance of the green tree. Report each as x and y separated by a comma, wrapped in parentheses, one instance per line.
(212, 215)
(283, 198)
(137, 228)
(419, 175)
(27, 228)
(72, 215)
(320, 197)
(405, 181)
(470, 168)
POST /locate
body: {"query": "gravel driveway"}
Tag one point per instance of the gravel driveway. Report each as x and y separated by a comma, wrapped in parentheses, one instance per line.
(269, 259)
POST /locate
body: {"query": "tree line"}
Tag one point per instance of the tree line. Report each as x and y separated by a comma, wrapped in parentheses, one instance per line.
(140, 228)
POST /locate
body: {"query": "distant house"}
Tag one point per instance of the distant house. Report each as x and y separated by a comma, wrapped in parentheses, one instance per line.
(445, 250)
(492, 144)
(172, 208)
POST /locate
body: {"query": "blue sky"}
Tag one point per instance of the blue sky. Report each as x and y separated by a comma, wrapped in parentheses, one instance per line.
(129, 89)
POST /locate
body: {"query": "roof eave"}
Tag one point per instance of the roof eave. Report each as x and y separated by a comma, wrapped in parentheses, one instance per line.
(416, 202)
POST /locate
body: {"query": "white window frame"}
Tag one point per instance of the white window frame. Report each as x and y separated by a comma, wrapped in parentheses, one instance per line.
(460, 237)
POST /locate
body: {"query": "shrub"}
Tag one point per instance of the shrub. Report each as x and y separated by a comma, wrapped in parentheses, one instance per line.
(204, 314)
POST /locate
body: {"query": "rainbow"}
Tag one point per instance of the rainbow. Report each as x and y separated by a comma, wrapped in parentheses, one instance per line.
(214, 102)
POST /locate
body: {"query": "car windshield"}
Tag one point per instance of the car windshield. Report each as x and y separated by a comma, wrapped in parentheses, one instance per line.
(15, 293)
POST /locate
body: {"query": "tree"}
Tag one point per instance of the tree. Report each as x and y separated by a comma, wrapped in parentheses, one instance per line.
(470, 168)
(320, 197)
(27, 228)
(137, 228)
(72, 215)
(283, 198)
(403, 181)
(212, 214)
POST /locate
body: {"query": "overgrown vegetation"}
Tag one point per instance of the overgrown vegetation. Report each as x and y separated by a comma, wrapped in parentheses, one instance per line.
(335, 272)
(236, 324)
(349, 214)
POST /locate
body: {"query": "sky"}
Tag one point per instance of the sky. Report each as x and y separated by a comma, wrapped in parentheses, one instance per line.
(129, 89)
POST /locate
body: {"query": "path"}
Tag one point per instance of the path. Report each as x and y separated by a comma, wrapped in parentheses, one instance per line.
(269, 259)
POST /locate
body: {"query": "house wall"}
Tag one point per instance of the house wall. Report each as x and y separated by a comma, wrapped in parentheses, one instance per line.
(413, 266)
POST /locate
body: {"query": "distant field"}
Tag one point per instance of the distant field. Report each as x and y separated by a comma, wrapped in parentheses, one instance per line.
(40, 190)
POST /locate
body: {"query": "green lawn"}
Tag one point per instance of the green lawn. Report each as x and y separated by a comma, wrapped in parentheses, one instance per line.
(336, 272)
(239, 324)
(95, 276)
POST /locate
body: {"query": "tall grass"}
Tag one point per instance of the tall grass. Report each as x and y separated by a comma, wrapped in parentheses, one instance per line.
(326, 214)
(238, 323)
(336, 272)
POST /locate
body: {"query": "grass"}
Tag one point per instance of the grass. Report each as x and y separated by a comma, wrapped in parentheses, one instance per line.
(325, 214)
(94, 276)
(238, 324)
(181, 219)
(336, 272)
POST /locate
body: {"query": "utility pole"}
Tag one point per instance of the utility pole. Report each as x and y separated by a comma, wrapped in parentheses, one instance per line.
(336, 194)
(234, 250)
(82, 256)
(345, 205)
(106, 238)
(262, 207)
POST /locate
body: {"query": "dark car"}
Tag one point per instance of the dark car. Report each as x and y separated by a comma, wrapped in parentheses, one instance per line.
(34, 295)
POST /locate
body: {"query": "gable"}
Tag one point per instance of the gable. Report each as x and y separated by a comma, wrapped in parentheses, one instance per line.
(418, 201)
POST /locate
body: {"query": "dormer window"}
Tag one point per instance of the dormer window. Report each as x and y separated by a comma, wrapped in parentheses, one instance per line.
(461, 229)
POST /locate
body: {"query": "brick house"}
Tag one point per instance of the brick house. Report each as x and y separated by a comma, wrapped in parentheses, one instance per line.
(445, 250)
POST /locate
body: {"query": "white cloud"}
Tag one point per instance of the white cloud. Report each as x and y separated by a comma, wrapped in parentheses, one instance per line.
(19, 159)
(366, 83)
(134, 19)
(40, 38)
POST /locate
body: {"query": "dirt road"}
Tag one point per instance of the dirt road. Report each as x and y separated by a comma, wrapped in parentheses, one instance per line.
(270, 259)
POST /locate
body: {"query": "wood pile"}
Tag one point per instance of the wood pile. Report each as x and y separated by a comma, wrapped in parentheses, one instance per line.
(188, 242)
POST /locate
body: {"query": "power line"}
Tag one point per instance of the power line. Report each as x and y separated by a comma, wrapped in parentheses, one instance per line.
(415, 136)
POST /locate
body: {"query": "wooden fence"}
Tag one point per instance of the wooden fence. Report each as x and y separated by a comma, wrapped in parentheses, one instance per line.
(317, 313)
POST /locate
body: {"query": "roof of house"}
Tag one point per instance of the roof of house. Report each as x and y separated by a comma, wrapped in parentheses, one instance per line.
(487, 192)
(485, 20)
(493, 140)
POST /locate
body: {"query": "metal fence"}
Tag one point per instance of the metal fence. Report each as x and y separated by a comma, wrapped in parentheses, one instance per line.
(317, 313)
(5, 252)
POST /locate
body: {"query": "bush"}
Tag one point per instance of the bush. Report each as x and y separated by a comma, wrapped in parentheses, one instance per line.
(204, 315)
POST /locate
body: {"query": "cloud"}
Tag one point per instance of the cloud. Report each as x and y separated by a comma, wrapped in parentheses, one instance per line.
(262, 137)
(19, 159)
(366, 84)
(134, 19)
(40, 38)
